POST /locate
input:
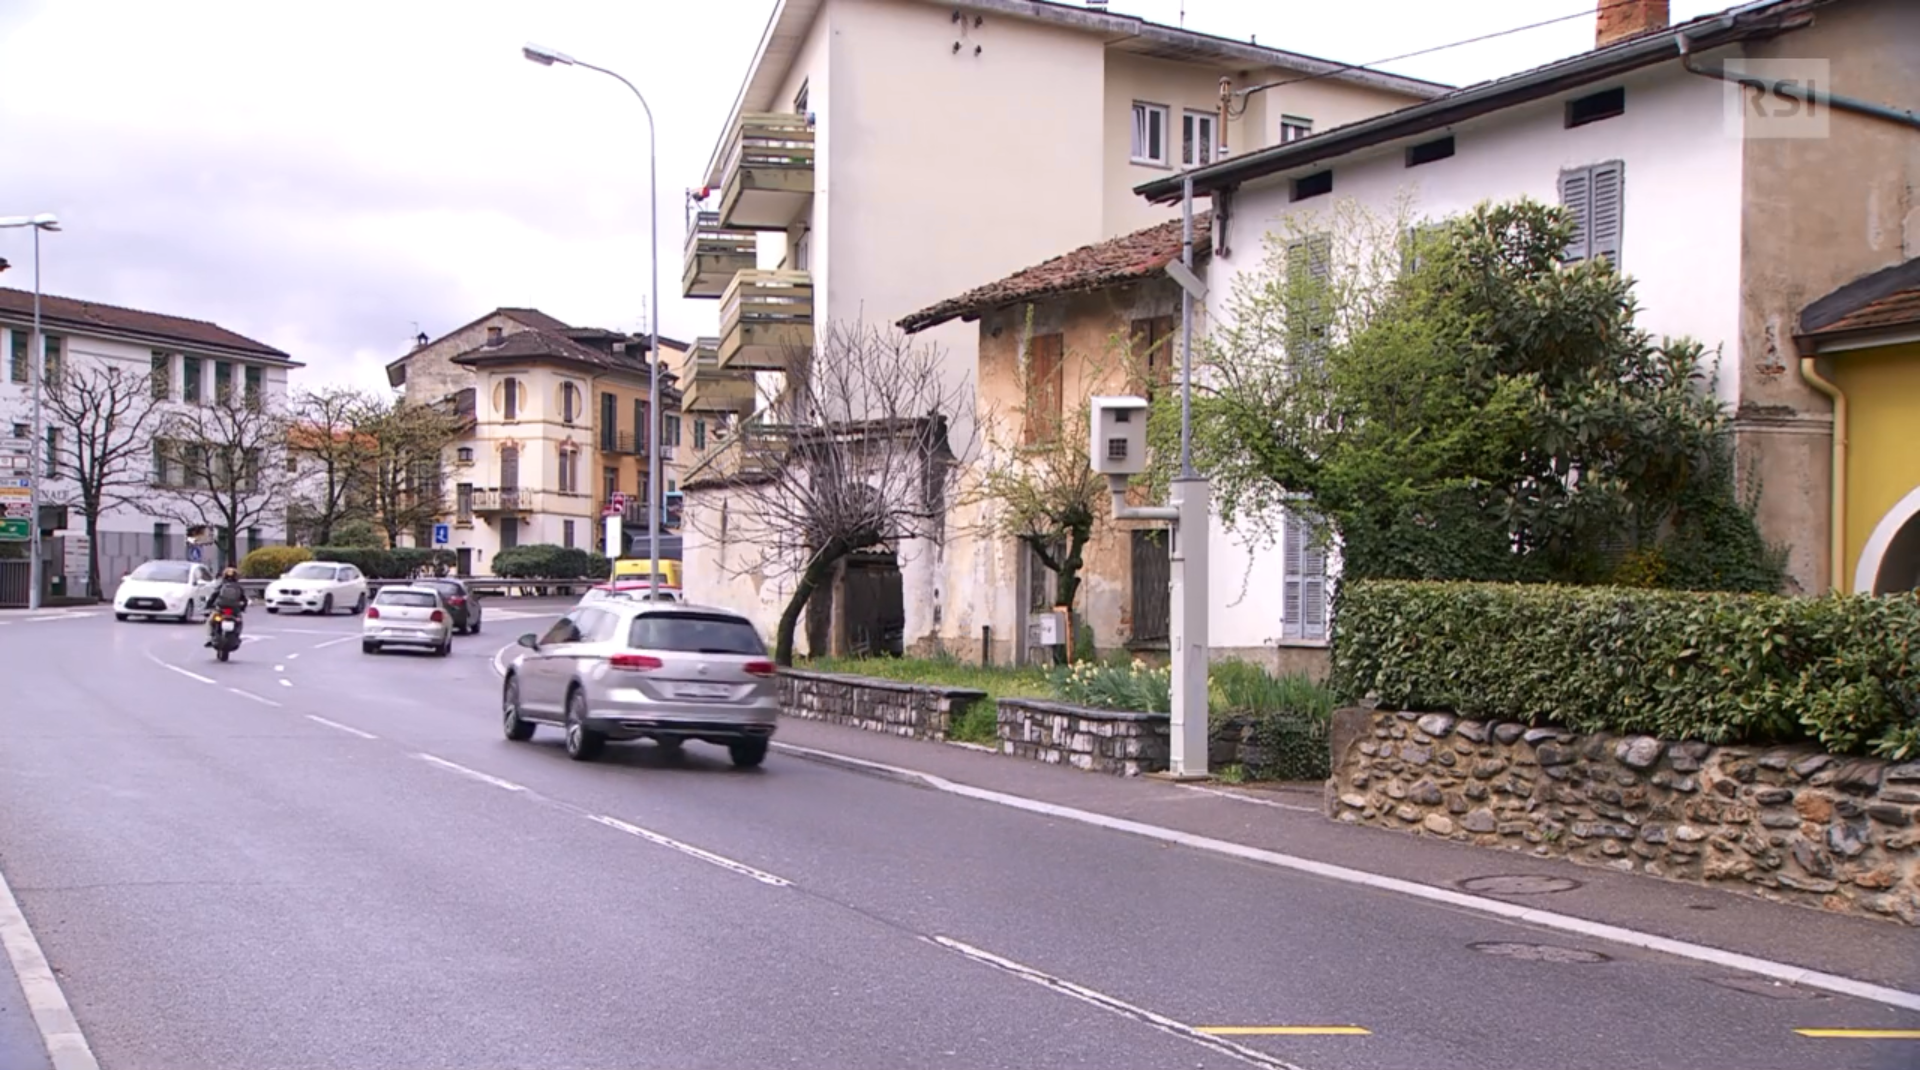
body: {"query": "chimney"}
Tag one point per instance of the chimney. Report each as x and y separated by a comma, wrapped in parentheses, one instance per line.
(493, 336)
(1620, 19)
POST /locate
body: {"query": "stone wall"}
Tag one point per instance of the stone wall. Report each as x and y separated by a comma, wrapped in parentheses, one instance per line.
(876, 705)
(1104, 741)
(1786, 823)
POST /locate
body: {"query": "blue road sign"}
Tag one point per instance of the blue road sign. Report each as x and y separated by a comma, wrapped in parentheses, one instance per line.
(442, 534)
(193, 552)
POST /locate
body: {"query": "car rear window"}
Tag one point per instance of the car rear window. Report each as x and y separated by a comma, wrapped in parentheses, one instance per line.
(420, 599)
(695, 633)
(161, 572)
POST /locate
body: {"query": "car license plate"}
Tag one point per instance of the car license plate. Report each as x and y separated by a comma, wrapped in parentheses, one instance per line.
(702, 691)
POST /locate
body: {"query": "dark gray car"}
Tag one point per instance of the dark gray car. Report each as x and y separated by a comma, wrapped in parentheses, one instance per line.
(462, 602)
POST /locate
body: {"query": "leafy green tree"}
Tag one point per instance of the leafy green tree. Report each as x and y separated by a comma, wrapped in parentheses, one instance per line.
(1458, 403)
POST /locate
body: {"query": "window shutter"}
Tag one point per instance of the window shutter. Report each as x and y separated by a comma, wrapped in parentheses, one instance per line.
(1292, 576)
(1313, 586)
(1577, 198)
(1046, 378)
(1607, 200)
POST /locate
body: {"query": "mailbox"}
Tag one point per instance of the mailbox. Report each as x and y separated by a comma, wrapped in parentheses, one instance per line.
(1119, 446)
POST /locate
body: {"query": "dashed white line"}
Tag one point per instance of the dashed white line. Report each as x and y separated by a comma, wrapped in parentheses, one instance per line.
(59, 1030)
(688, 849)
(254, 697)
(279, 668)
(335, 642)
(474, 773)
(290, 657)
(347, 728)
(1113, 1005)
(285, 682)
(185, 673)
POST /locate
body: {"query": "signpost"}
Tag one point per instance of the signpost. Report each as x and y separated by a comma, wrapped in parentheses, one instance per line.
(77, 547)
(16, 505)
(612, 517)
(442, 534)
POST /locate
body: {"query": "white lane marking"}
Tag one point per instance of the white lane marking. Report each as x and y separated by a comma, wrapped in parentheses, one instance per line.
(290, 657)
(348, 729)
(185, 673)
(1255, 800)
(688, 849)
(1113, 1005)
(474, 773)
(59, 1029)
(335, 642)
(1546, 919)
(254, 697)
(286, 683)
(279, 668)
(499, 669)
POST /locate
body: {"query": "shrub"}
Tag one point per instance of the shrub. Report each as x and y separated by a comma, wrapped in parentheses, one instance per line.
(1133, 686)
(400, 563)
(546, 561)
(1277, 724)
(272, 562)
(1719, 668)
(357, 535)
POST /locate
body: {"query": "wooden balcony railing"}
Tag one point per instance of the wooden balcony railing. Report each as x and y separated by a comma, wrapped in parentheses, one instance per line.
(765, 318)
(768, 180)
(715, 254)
(749, 449)
(711, 388)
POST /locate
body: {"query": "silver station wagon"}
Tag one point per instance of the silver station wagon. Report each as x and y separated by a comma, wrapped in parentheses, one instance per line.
(619, 670)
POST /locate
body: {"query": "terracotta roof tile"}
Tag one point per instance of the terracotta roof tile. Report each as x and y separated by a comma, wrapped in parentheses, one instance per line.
(1090, 267)
(540, 345)
(1884, 299)
(1895, 310)
(58, 314)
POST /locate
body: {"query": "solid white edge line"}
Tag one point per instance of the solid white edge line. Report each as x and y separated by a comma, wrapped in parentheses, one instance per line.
(1114, 1005)
(347, 728)
(254, 697)
(1546, 919)
(59, 1030)
(1237, 797)
(688, 849)
(474, 773)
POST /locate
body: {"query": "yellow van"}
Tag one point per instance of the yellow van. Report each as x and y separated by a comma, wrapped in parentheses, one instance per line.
(637, 567)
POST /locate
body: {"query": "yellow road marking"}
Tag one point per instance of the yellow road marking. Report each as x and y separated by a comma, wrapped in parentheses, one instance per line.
(1283, 1030)
(1861, 1034)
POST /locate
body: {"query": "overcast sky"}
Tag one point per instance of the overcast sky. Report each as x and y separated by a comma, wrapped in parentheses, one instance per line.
(335, 180)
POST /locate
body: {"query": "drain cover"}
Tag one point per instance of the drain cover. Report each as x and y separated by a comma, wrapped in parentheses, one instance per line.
(1539, 952)
(1519, 884)
(1760, 986)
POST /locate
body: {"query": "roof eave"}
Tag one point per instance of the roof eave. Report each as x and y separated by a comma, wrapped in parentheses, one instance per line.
(62, 325)
(1824, 343)
(1464, 105)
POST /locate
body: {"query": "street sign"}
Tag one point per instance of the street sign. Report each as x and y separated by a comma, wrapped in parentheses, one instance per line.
(442, 534)
(193, 551)
(23, 484)
(16, 508)
(14, 529)
(616, 505)
(76, 556)
(16, 445)
(1188, 281)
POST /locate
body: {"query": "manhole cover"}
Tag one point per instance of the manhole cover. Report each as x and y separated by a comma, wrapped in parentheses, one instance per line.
(1539, 952)
(1760, 986)
(1519, 884)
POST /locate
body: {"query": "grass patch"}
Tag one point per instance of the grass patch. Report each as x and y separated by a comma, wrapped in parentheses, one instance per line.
(977, 725)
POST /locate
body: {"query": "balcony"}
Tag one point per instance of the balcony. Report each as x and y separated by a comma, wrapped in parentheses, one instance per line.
(754, 449)
(715, 254)
(765, 318)
(634, 516)
(620, 442)
(711, 388)
(768, 180)
(502, 500)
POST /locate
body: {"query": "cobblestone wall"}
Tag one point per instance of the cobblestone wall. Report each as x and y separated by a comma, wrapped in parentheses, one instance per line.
(875, 705)
(1788, 823)
(1104, 741)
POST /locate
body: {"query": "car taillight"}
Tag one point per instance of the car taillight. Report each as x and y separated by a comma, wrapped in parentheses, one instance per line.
(637, 662)
(457, 600)
(437, 617)
(373, 613)
(760, 668)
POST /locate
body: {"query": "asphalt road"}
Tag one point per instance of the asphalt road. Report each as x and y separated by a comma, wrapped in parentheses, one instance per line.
(310, 857)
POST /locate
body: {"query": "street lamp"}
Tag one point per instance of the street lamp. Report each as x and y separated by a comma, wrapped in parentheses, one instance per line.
(36, 357)
(547, 57)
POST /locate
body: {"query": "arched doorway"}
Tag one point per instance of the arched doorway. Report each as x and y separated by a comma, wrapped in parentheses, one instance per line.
(1890, 561)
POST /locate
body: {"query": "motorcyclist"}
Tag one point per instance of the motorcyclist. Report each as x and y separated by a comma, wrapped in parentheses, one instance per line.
(231, 595)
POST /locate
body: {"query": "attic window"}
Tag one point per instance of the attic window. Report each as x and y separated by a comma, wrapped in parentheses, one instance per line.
(1313, 185)
(1597, 106)
(464, 454)
(1429, 151)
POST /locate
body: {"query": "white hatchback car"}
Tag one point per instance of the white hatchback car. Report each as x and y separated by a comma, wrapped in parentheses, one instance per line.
(177, 589)
(318, 587)
(407, 616)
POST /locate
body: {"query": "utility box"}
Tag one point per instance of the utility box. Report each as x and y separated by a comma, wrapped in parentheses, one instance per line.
(1119, 446)
(1048, 628)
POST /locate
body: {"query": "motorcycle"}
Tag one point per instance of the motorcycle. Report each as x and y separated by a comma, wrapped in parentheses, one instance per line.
(226, 633)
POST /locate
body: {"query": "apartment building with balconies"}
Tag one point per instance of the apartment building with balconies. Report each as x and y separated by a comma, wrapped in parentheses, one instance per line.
(864, 174)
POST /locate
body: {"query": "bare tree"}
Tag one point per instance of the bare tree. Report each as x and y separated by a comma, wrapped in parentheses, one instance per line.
(105, 416)
(405, 484)
(867, 461)
(223, 465)
(334, 456)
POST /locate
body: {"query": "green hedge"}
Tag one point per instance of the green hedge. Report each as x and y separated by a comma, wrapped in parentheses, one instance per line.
(1719, 668)
(545, 561)
(272, 562)
(399, 563)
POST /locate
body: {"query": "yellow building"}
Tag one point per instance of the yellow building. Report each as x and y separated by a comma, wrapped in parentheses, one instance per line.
(1861, 346)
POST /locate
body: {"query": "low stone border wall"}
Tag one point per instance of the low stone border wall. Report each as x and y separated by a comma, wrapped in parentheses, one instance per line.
(1787, 823)
(877, 705)
(1104, 741)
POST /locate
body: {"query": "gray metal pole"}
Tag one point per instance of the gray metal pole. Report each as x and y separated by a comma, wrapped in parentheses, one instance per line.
(36, 356)
(1186, 331)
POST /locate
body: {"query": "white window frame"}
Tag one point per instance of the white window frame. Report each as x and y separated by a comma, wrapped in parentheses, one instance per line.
(1304, 603)
(1192, 121)
(1295, 127)
(1596, 195)
(1144, 113)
